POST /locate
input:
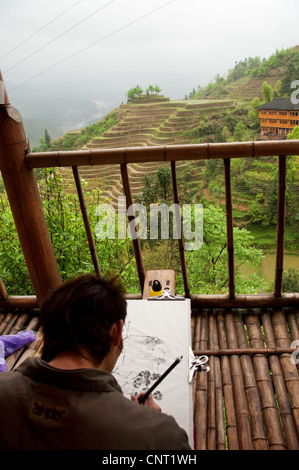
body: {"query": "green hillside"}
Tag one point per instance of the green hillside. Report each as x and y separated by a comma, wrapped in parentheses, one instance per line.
(244, 81)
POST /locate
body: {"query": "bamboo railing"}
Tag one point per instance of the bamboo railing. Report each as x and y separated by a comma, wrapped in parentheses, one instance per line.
(172, 154)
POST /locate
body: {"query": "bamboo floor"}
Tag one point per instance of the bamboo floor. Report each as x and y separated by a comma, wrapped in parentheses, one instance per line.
(249, 400)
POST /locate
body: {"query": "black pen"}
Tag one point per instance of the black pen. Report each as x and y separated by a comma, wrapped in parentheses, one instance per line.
(146, 395)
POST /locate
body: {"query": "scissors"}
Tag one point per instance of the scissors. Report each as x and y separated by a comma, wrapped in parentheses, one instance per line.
(197, 364)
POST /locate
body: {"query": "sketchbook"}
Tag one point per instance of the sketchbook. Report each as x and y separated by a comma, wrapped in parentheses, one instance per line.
(154, 335)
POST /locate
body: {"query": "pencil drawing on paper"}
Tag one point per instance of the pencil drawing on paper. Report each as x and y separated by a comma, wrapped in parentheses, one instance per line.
(141, 362)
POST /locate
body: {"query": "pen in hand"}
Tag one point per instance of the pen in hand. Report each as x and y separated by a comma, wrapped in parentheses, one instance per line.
(150, 390)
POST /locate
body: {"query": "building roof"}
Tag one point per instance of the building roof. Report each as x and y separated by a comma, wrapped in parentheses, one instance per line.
(280, 104)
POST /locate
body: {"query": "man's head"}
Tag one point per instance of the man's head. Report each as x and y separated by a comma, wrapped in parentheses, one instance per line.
(78, 317)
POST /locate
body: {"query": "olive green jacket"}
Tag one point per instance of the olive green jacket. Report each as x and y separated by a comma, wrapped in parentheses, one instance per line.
(42, 407)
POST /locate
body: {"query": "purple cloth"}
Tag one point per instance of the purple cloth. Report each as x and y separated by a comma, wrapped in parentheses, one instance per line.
(11, 343)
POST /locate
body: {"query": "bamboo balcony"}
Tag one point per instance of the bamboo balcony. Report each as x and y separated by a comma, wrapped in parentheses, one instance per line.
(250, 398)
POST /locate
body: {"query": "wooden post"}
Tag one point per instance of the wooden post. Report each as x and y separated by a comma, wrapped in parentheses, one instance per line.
(3, 293)
(131, 218)
(179, 224)
(229, 230)
(91, 244)
(280, 225)
(25, 203)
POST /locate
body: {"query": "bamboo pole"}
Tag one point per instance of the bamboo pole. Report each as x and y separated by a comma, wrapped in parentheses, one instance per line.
(25, 203)
(264, 382)
(216, 421)
(240, 399)
(3, 293)
(280, 225)
(7, 323)
(32, 349)
(244, 301)
(292, 324)
(290, 370)
(86, 221)
(19, 301)
(228, 392)
(163, 153)
(179, 227)
(4, 100)
(135, 240)
(280, 386)
(202, 301)
(229, 230)
(244, 351)
(201, 400)
(211, 422)
(254, 404)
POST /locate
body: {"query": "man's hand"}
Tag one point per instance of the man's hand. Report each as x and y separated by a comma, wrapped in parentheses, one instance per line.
(148, 402)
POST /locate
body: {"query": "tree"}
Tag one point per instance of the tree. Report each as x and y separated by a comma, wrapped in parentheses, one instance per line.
(157, 89)
(226, 134)
(207, 267)
(47, 138)
(294, 134)
(134, 92)
(290, 280)
(148, 193)
(258, 210)
(254, 113)
(163, 182)
(131, 93)
(267, 91)
(241, 132)
(218, 135)
(277, 88)
(138, 90)
(157, 189)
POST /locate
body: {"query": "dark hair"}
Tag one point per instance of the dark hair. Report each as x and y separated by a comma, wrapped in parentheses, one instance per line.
(78, 315)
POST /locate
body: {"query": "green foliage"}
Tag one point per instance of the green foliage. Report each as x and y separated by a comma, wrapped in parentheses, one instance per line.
(47, 138)
(133, 92)
(13, 267)
(151, 89)
(286, 59)
(254, 113)
(241, 133)
(267, 91)
(67, 232)
(65, 224)
(207, 267)
(294, 134)
(158, 188)
(290, 280)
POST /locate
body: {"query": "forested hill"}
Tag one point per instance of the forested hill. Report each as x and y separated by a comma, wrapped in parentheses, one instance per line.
(243, 81)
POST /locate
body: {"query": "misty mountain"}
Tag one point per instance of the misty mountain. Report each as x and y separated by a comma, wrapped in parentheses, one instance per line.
(57, 114)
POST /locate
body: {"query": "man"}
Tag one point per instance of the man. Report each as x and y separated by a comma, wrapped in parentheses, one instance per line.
(69, 398)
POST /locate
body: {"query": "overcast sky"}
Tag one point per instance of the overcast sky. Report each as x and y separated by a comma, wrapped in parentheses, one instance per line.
(181, 45)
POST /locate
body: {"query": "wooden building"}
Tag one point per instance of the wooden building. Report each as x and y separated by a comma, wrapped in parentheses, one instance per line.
(250, 398)
(278, 117)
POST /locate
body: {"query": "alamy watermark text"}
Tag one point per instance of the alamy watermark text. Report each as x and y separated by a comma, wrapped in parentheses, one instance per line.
(186, 223)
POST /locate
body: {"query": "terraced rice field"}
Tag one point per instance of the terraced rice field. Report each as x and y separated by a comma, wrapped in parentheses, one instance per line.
(161, 122)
